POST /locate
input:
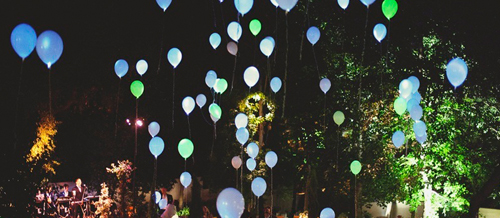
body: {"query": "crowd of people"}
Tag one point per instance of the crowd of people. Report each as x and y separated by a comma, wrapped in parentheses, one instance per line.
(49, 202)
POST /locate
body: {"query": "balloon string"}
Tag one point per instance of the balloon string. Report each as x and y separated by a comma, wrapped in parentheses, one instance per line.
(135, 149)
(161, 45)
(276, 37)
(324, 116)
(272, 196)
(117, 106)
(286, 67)
(213, 141)
(268, 78)
(17, 104)
(213, 10)
(50, 94)
(338, 145)
(241, 173)
(173, 97)
(189, 127)
(223, 22)
(316, 61)
(237, 179)
(306, 18)
(203, 115)
(153, 187)
(234, 71)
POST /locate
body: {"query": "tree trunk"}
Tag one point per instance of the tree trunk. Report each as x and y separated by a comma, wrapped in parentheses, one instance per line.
(357, 203)
(311, 202)
(480, 197)
(261, 125)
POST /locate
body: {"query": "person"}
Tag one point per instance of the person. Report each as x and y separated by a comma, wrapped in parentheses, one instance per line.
(170, 211)
(206, 212)
(50, 198)
(77, 194)
(267, 213)
(65, 192)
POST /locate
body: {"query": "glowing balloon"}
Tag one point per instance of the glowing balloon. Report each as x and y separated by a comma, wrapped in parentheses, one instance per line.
(275, 3)
(398, 138)
(271, 159)
(164, 4)
(215, 111)
(23, 40)
(210, 78)
(137, 88)
(236, 162)
(185, 148)
(259, 186)
(400, 105)
(49, 47)
(163, 203)
(251, 76)
(379, 32)
(275, 84)
(188, 104)
(185, 179)
(251, 164)
(417, 97)
(325, 85)
(241, 120)
(142, 67)
(156, 146)
(287, 5)
(456, 72)
(232, 48)
(415, 83)
(214, 40)
(230, 203)
(234, 31)
(327, 213)
(405, 88)
(421, 139)
(157, 197)
(267, 46)
(411, 103)
(416, 112)
(389, 8)
(338, 117)
(313, 35)
(243, 6)
(154, 128)
(255, 27)
(355, 167)
(343, 3)
(121, 68)
(419, 128)
(367, 2)
(174, 56)
(201, 100)
(252, 150)
(220, 85)
(242, 135)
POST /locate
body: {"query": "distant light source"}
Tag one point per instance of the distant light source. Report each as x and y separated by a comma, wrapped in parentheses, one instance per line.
(139, 122)
(128, 122)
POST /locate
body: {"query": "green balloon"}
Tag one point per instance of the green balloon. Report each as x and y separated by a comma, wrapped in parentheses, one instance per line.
(338, 117)
(400, 105)
(255, 27)
(137, 88)
(220, 85)
(355, 167)
(389, 8)
(215, 111)
(185, 148)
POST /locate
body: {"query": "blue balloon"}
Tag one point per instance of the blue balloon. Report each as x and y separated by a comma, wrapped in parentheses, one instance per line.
(163, 203)
(214, 40)
(174, 57)
(398, 138)
(419, 128)
(234, 30)
(421, 139)
(230, 203)
(327, 213)
(416, 112)
(251, 164)
(242, 135)
(259, 186)
(121, 68)
(367, 2)
(210, 78)
(243, 6)
(287, 5)
(164, 4)
(275, 84)
(456, 71)
(267, 46)
(185, 179)
(313, 35)
(417, 97)
(156, 146)
(271, 159)
(379, 31)
(415, 82)
(411, 103)
(343, 3)
(252, 150)
(23, 40)
(49, 47)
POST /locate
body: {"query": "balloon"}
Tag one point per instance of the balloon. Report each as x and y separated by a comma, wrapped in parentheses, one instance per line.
(220, 85)
(267, 46)
(215, 111)
(355, 167)
(287, 5)
(174, 56)
(343, 3)
(185, 179)
(379, 31)
(232, 48)
(255, 27)
(201, 100)
(456, 71)
(23, 40)
(49, 47)
(154, 128)
(210, 78)
(416, 112)
(338, 117)
(242, 135)
(243, 6)
(389, 8)
(415, 83)
(405, 88)
(251, 76)
(259, 186)
(421, 139)
(230, 203)
(121, 68)
(275, 84)
(313, 35)
(156, 146)
(419, 128)
(398, 138)
(137, 88)
(275, 3)
(164, 4)
(241, 120)
(367, 2)
(214, 40)
(142, 67)
(163, 203)
(417, 97)
(271, 159)
(411, 103)
(327, 213)
(325, 85)
(252, 150)
(157, 197)
(188, 105)
(185, 148)
(251, 164)
(236, 162)
(234, 31)
(400, 105)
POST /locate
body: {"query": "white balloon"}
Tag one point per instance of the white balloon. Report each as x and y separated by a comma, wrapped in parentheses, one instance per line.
(174, 56)
(153, 128)
(234, 30)
(267, 46)
(259, 186)
(185, 179)
(271, 159)
(188, 105)
(157, 197)
(210, 78)
(215, 119)
(275, 84)
(275, 3)
(201, 100)
(251, 76)
(405, 88)
(287, 5)
(236, 162)
(327, 213)
(242, 135)
(243, 6)
(251, 164)
(252, 150)
(230, 203)
(241, 120)
(325, 85)
(214, 40)
(142, 67)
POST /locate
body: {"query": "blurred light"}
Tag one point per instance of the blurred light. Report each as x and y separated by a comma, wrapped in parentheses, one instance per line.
(139, 122)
